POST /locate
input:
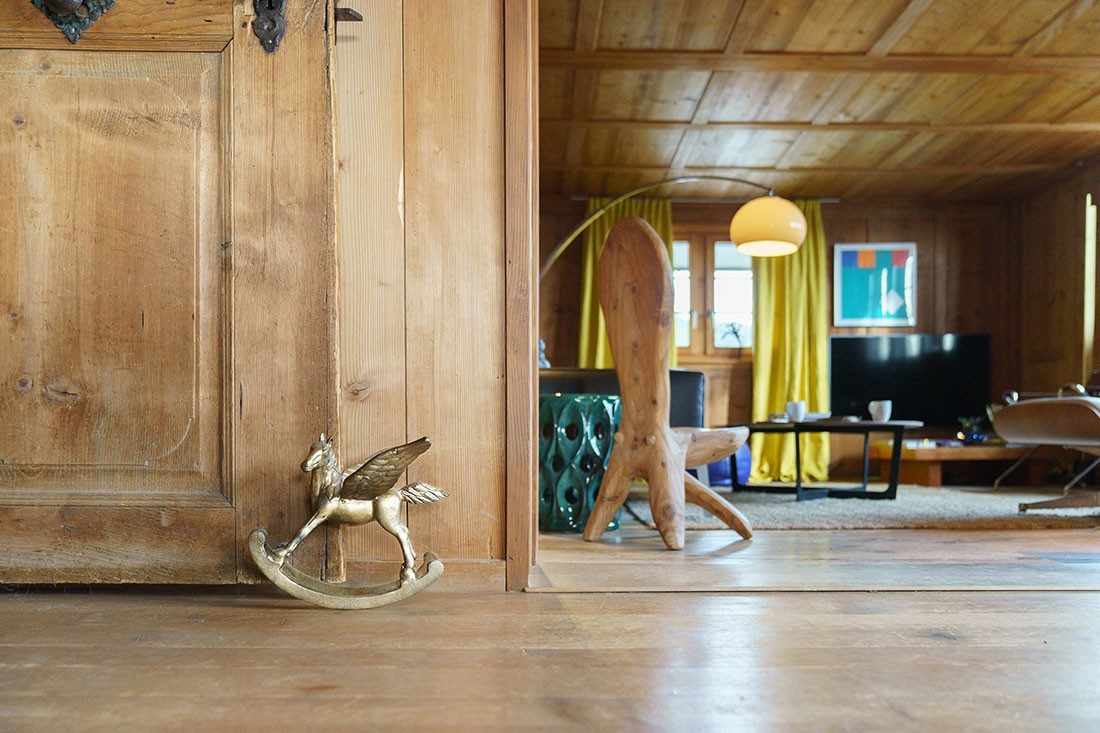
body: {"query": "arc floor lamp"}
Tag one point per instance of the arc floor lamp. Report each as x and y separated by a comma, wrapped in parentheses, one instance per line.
(766, 226)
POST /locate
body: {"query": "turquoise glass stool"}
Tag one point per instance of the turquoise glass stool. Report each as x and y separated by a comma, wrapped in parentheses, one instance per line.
(576, 432)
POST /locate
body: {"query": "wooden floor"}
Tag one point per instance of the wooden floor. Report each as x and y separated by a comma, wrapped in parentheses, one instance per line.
(635, 559)
(234, 659)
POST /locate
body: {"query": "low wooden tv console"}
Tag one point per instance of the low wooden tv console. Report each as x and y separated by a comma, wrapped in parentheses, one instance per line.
(923, 464)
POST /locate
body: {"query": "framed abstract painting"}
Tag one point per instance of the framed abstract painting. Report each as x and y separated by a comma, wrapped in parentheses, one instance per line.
(875, 284)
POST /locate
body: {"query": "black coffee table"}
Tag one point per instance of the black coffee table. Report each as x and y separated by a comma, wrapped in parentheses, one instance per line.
(864, 427)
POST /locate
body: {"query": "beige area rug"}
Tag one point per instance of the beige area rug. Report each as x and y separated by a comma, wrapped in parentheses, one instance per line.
(917, 507)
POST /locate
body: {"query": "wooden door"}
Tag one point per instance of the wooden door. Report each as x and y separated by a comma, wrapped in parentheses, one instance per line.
(166, 289)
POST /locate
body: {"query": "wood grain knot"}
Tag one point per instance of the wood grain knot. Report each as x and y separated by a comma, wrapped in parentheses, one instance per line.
(24, 383)
(359, 391)
(19, 120)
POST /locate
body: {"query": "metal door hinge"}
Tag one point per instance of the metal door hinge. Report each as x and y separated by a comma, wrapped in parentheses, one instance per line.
(269, 25)
(73, 17)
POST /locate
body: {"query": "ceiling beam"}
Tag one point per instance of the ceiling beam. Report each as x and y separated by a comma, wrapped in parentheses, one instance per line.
(939, 127)
(851, 85)
(828, 63)
(665, 171)
(589, 19)
(902, 24)
(747, 19)
(704, 108)
(586, 38)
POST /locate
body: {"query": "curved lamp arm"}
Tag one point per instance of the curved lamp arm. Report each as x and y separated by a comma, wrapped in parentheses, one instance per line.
(568, 239)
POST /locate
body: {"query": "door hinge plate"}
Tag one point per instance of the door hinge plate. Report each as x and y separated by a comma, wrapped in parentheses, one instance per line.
(72, 18)
(269, 25)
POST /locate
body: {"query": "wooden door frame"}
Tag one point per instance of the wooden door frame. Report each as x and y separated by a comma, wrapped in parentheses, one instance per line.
(521, 207)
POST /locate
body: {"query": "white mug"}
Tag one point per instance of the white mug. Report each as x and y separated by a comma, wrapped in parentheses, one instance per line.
(796, 411)
(880, 410)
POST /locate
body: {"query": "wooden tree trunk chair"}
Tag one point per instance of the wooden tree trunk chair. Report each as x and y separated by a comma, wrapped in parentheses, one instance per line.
(635, 280)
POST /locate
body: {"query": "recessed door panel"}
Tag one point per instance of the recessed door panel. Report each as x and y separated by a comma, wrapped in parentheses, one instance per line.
(111, 284)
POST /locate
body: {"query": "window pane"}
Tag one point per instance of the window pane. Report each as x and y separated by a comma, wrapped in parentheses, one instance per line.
(726, 257)
(683, 330)
(681, 255)
(732, 317)
(681, 291)
(733, 290)
(681, 306)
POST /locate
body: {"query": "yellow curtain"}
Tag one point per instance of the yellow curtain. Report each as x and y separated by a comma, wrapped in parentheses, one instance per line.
(790, 351)
(594, 351)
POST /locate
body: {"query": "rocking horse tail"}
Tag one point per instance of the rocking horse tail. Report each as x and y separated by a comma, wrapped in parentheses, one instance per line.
(422, 493)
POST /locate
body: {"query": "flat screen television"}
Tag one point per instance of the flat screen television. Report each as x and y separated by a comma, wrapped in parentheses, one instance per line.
(934, 378)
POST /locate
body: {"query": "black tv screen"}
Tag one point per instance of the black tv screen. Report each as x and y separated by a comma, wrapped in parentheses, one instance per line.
(934, 378)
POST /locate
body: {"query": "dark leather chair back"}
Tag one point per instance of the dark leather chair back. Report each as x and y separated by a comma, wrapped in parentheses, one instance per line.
(687, 390)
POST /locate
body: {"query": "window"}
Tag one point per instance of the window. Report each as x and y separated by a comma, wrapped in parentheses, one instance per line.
(682, 306)
(712, 284)
(731, 297)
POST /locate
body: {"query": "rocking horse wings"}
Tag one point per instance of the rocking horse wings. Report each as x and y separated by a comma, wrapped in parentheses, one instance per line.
(380, 472)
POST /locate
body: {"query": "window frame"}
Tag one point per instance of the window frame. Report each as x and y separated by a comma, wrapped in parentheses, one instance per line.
(701, 241)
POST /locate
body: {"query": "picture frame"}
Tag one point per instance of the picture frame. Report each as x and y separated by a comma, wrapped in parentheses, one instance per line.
(875, 284)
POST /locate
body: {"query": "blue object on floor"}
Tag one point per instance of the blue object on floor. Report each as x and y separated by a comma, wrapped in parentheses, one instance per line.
(719, 473)
(743, 460)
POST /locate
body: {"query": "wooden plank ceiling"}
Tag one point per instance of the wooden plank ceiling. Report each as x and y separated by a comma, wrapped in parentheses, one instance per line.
(938, 99)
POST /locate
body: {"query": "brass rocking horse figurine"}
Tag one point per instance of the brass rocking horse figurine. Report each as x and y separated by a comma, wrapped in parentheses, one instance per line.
(364, 494)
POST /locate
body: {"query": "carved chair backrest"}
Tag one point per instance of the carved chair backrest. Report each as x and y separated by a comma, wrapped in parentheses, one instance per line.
(635, 278)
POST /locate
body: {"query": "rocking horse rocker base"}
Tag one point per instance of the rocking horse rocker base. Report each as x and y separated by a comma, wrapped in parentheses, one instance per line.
(306, 588)
(365, 494)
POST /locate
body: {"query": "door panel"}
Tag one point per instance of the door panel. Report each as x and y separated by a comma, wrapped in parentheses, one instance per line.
(113, 298)
(166, 296)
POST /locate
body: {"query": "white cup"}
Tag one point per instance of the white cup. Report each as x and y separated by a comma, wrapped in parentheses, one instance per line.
(796, 411)
(880, 410)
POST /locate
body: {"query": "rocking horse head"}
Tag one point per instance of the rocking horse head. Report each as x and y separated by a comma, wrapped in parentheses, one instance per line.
(319, 455)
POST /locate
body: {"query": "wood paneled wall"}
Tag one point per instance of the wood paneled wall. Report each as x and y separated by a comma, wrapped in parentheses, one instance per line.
(967, 281)
(1050, 230)
(560, 290)
(423, 262)
(967, 274)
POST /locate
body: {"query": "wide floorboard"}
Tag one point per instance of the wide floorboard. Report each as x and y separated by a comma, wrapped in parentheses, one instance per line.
(991, 661)
(635, 559)
(231, 659)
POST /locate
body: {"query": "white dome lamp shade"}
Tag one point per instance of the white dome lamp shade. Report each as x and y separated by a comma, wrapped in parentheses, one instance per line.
(768, 226)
